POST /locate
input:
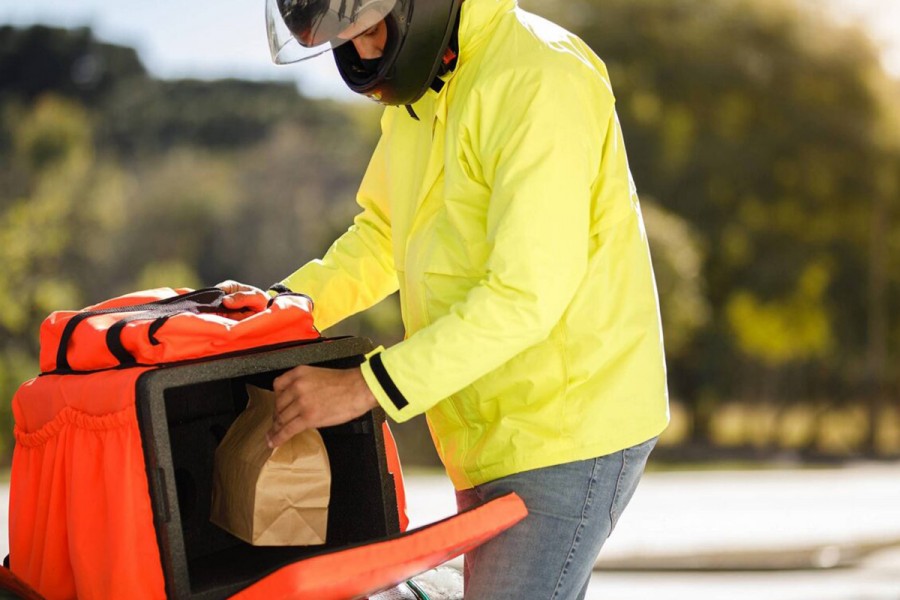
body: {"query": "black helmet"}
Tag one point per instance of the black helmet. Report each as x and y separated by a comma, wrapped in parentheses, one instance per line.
(418, 35)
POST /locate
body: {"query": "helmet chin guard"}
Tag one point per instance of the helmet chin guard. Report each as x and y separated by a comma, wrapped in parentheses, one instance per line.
(419, 32)
(418, 35)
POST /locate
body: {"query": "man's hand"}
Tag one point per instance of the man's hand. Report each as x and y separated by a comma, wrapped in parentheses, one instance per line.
(241, 295)
(308, 397)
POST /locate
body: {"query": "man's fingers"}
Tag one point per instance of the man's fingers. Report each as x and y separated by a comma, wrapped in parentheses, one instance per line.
(240, 295)
(307, 397)
(279, 435)
(230, 286)
(256, 299)
(290, 408)
(287, 379)
(288, 395)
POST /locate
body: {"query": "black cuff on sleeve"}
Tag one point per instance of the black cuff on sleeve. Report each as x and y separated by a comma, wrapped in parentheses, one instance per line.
(280, 288)
(386, 383)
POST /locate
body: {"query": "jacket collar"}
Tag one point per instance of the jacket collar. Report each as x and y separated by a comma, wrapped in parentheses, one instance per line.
(476, 22)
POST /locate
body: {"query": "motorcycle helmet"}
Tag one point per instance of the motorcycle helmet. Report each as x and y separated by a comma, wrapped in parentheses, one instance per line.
(419, 33)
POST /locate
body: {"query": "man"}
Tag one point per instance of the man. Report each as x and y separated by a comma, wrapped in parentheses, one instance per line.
(500, 203)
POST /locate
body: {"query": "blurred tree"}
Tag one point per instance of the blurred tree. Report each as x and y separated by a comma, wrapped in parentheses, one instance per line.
(131, 182)
(177, 204)
(151, 115)
(300, 185)
(764, 141)
(52, 232)
(677, 261)
(68, 63)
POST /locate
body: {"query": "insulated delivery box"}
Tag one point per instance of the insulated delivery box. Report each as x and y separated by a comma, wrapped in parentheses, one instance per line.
(113, 470)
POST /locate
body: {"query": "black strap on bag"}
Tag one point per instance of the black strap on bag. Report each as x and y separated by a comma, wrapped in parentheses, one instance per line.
(206, 300)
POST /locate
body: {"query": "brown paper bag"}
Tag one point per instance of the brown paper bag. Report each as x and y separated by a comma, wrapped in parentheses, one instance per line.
(270, 497)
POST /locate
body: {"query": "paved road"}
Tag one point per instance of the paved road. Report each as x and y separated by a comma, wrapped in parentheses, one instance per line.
(739, 520)
(877, 579)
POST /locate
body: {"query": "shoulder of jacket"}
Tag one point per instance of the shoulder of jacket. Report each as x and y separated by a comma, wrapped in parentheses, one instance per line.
(528, 48)
(544, 79)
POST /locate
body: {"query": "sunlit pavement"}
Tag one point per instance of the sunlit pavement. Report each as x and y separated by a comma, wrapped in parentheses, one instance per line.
(876, 579)
(829, 534)
(811, 534)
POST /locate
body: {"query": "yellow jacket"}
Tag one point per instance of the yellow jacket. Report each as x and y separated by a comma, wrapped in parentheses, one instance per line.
(507, 217)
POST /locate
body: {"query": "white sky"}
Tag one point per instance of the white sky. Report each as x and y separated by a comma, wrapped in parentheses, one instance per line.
(226, 38)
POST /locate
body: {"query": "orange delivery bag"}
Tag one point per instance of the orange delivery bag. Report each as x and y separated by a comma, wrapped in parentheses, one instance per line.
(115, 440)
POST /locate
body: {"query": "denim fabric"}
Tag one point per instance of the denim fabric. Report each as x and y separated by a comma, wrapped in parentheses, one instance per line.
(572, 508)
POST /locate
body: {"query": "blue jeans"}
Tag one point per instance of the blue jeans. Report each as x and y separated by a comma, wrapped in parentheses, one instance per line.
(572, 509)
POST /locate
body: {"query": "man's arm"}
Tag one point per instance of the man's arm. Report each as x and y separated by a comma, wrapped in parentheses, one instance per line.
(540, 148)
(358, 270)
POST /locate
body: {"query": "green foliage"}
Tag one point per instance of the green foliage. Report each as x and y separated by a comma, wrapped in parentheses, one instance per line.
(70, 64)
(772, 132)
(16, 366)
(55, 133)
(171, 273)
(677, 264)
(46, 230)
(152, 115)
(55, 159)
(789, 329)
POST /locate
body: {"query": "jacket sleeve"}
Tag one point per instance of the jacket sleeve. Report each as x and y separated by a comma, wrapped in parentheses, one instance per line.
(536, 138)
(358, 269)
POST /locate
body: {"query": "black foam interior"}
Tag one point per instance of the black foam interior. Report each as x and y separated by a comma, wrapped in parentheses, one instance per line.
(217, 563)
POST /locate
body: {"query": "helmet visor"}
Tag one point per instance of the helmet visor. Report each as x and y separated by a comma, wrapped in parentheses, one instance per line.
(301, 29)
